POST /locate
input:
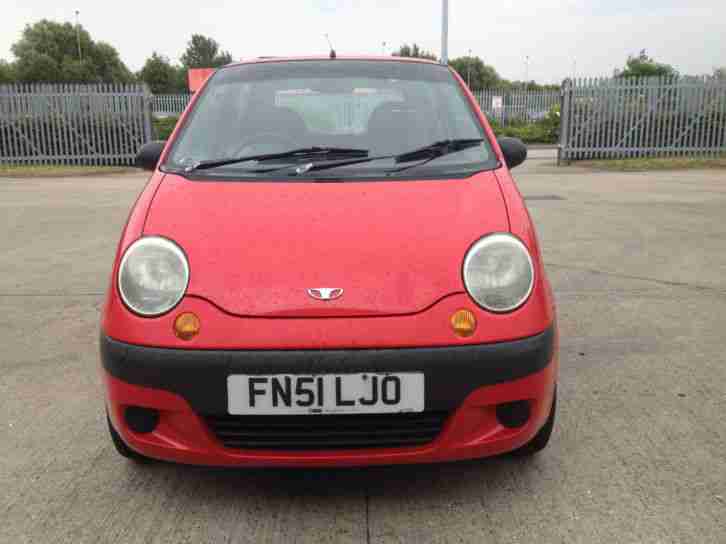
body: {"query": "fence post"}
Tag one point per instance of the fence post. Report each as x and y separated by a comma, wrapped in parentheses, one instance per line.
(564, 121)
(147, 99)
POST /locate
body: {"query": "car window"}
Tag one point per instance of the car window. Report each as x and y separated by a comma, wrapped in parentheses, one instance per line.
(385, 107)
(336, 113)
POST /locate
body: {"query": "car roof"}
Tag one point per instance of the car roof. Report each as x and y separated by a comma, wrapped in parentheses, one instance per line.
(327, 57)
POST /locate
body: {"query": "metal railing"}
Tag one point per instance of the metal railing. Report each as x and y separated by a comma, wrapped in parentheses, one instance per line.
(518, 106)
(103, 124)
(642, 117)
(169, 105)
(600, 118)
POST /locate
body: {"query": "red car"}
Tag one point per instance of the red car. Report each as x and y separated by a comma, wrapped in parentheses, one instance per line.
(330, 265)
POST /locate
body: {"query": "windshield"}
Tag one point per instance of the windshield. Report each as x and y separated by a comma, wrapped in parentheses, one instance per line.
(379, 109)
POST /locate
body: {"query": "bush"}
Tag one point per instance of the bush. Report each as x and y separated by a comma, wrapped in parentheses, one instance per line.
(546, 131)
(529, 134)
(163, 127)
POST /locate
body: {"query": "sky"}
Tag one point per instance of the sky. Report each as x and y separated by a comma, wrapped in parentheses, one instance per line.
(561, 38)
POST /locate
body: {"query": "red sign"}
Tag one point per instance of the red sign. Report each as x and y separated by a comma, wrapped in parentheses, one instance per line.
(197, 76)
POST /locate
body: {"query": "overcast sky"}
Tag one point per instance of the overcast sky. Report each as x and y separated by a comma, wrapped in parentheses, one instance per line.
(555, 34)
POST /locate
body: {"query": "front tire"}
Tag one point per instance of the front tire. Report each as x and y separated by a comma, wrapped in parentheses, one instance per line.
(121, 446)
(542, 438)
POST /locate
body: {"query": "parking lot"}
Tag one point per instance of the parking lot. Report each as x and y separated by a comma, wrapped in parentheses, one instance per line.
(638, 264)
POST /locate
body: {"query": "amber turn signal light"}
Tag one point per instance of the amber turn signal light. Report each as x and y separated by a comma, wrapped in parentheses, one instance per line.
(186, 326)
(464, 323)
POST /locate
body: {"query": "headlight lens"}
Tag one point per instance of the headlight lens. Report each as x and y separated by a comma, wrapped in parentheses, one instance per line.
(153, 276)
(498, 272)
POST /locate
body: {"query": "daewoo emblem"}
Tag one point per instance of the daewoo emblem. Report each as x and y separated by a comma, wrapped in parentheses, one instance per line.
(325, 293)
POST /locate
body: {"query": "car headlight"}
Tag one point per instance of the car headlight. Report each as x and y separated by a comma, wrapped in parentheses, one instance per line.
(153, 276)
(498, 272)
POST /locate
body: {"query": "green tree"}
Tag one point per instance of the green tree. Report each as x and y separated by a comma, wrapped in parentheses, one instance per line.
(48, 51)
(108, 65)
(181, 82)
(7, 72)
(481, 75)
(33, 66)
(720, 73)
(645, 66)
(414, 51)
(203, 52)
(161, 76)
(55, 40)
(73, 70)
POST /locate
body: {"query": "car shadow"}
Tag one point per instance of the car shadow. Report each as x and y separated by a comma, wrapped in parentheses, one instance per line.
(394, 481)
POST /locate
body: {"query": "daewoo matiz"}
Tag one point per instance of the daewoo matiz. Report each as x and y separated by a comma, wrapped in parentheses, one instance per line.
(330, 265)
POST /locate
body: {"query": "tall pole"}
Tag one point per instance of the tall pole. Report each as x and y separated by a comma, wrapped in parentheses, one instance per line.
(526, 70)
(78, 37)
(383, 49)
(445, 32)
(468, 70)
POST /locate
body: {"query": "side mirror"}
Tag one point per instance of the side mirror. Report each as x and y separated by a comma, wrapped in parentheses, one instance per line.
(514, 151)
(148, 156)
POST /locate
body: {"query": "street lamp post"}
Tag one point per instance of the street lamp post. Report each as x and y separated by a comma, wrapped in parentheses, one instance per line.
(445, 32)
(78, 37)
(468, 70)
(526, 86)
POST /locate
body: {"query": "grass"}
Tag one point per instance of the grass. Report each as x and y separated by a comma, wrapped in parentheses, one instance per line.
(655, 163)
(50, 170)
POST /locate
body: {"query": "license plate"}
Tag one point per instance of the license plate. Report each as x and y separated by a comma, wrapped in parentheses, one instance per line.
(363, 393)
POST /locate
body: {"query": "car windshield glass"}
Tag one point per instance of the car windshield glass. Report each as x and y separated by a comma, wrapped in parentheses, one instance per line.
(382, 108)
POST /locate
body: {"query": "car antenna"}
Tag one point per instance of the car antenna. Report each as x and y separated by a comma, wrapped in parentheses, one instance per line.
(332, 51)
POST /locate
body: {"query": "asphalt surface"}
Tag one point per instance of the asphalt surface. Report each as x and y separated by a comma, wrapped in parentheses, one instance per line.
(639, 270)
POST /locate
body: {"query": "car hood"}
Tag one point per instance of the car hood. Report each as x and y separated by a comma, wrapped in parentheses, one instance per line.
(394, 247)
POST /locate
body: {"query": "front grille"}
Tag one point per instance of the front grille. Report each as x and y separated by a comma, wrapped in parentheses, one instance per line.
(325, 431)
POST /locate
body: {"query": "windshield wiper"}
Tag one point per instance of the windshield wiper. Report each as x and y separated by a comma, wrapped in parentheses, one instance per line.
(438, 149)
(353, 156)
(303, 152)
(434, 151)
(425, 154)
(315, 166)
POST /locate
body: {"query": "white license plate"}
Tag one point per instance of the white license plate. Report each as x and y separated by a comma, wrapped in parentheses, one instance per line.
(364, 393)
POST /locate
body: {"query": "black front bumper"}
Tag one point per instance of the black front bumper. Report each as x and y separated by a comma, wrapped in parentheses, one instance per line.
(200, 376)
